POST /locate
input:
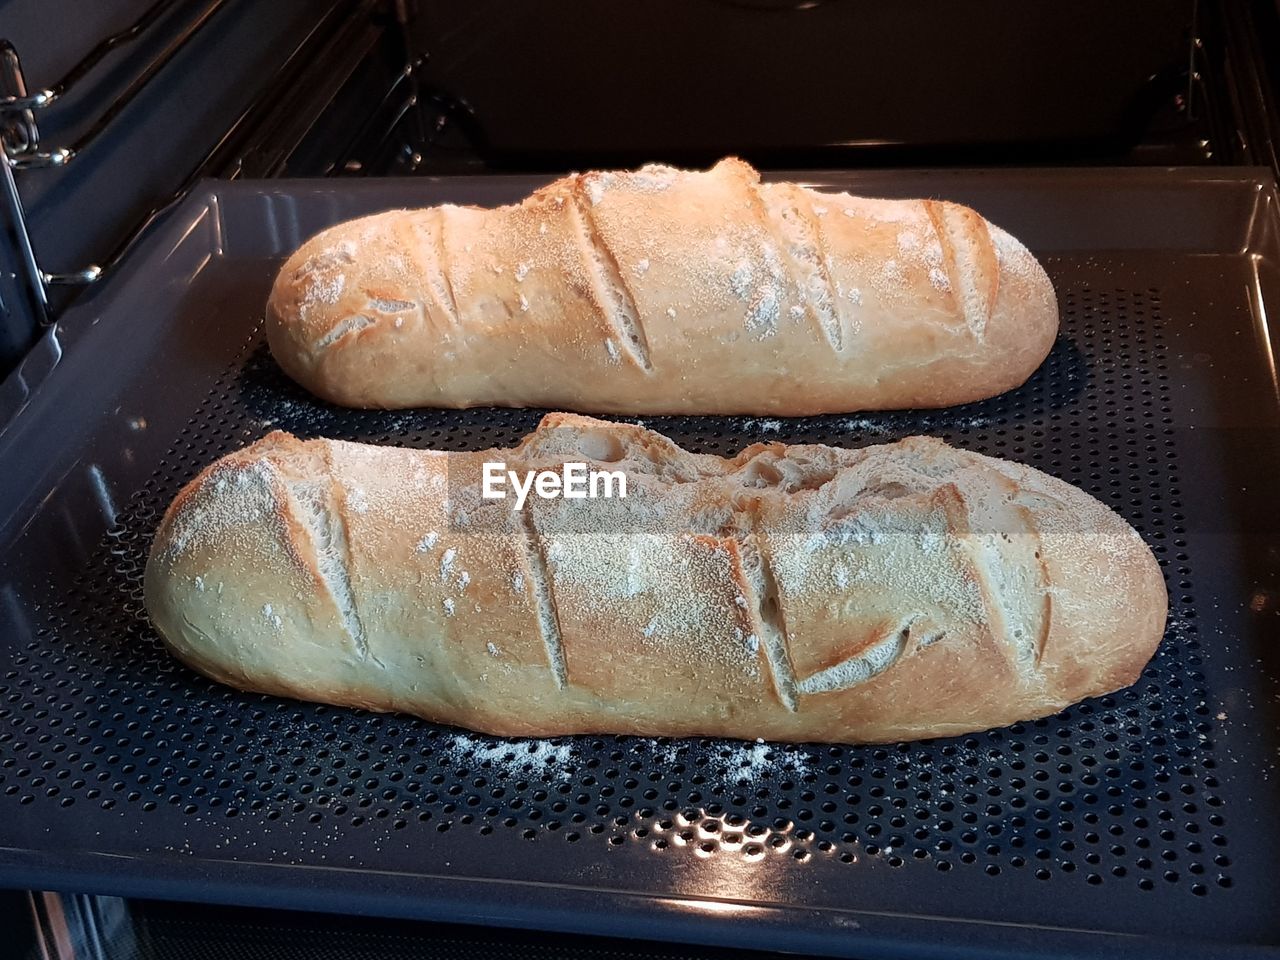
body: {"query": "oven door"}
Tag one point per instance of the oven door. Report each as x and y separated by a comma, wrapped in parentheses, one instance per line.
(50, 926)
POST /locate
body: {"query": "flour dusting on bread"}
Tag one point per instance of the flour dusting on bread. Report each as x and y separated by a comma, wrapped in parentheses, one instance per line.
(665, 291)
(788, 592)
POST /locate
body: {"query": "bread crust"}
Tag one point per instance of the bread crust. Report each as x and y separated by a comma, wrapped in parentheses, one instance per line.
(797, 592)
(665, 292)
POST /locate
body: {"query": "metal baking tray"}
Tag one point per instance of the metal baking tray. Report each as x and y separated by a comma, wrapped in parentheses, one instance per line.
(1141, 824)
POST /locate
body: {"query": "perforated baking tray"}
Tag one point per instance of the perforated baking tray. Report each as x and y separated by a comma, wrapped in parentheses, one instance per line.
(1142, 824)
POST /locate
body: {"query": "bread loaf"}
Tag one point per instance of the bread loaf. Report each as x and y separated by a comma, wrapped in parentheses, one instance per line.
(790, 592)
(665, 291)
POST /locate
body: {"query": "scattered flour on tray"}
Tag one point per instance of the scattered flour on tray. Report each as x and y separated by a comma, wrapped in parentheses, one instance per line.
(762, 426)
(509, 756)
(728, 761)
(307, 418)
(750, 762)
(884, 427)
(733, 762)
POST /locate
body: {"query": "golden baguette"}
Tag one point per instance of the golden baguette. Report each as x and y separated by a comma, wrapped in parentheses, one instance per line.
(789, 592)
(665, 291)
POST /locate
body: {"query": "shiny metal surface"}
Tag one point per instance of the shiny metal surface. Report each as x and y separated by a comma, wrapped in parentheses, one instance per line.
(18, 130)
(327, 29)
(16, 216)
(82, 927)
(61, 156)
(123, 772)
(45, 96)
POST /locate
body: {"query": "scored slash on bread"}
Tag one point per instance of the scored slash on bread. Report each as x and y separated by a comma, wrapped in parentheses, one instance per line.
(790, 592)
(665, 291)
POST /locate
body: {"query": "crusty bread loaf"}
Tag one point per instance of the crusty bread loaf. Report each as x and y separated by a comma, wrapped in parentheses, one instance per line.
(790, 592)
(665, 291)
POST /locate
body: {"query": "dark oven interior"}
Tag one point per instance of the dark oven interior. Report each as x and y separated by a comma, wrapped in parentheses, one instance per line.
(112, 113)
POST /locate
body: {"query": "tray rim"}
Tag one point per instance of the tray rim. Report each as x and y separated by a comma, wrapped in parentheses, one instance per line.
(43, 359)
(672, 919)
(151, 875)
